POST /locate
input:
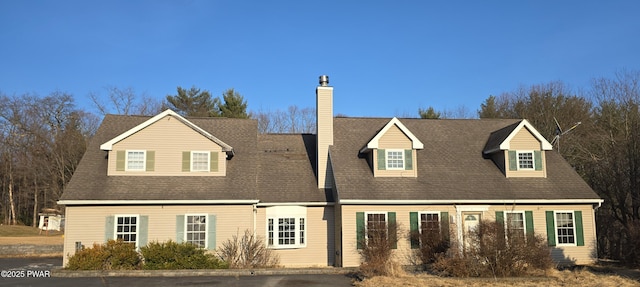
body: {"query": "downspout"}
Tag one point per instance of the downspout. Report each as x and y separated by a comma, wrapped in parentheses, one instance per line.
(255, 210)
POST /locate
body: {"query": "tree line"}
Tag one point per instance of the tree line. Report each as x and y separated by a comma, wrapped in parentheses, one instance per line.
(42, 139)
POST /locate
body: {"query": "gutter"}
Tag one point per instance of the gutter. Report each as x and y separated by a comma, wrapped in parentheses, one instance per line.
(467, 201)
(155, 202)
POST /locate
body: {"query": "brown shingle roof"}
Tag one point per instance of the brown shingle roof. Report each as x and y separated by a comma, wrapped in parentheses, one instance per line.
(90, 181)
(450, 167)
(281, 167)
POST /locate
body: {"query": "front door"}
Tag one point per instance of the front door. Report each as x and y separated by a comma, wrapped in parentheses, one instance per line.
(470, 222)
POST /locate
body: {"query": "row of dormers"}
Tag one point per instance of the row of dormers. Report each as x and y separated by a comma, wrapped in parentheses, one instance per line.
(517, 150)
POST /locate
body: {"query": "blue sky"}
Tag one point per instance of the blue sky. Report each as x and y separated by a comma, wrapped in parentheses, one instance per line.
(384, 58)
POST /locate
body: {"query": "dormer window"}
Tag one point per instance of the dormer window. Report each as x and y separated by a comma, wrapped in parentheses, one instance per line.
(135, 160)
(525, 160)
(395, 159)
(199, 161)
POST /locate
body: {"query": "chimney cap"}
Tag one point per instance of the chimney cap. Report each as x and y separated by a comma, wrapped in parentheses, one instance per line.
(324, 81)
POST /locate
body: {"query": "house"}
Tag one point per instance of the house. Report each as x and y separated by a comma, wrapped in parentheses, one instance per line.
(203, 180)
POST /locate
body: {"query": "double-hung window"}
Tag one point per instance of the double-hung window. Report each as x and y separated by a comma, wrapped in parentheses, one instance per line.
(126, 228)
(376, 225)
(286, 227)
(565, 228)
(135, 160)
(395, 159)
(525, 160)
(200, 161)
(430, 223)
(515, 223)
(196, 230)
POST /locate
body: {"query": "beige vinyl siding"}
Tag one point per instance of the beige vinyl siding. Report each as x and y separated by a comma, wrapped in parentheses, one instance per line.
(319, 238)
(525, 141)
(561, 254)
(324, 104)
(350, 255)
(394, 138)
(86, 224)
(167, 138)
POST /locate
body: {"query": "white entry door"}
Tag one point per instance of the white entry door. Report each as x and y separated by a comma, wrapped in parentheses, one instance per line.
(470, 222)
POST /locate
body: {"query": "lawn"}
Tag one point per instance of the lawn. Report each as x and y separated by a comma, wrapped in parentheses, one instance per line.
(20, 234)
(582, 278)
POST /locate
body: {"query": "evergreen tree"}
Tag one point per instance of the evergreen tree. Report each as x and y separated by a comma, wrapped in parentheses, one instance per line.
(193, 103)
(234, 105)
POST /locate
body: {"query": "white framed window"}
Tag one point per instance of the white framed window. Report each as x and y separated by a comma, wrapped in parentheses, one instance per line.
(514, 223)
(135, 160)
(126, 228)
(286, 227)
(395, 159)
(196, 229)
(200, 161)
(429, 223)
(565, 228)
(375, 223)
(525, 160)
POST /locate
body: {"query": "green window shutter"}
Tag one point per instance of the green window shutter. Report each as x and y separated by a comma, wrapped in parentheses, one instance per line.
(109, 228)
(382, 156)
(444, 225)
(213, 161)
(392, 228)
(186, 161)
(408, 159)
(211, 232)
(528, 218)
(151, 160)
(359, 229)
(579, 228)
(551, 229)
(143, 227)
(537, 159)
(120, 159)
(414, 236)
(179, 228)
(500, 217)
(513, 160)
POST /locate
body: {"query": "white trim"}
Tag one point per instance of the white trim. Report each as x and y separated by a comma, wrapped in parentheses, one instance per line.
(472, 201)
(373, 144)
(533, 159)
(208, 166)
(506, 144)
(206, 227)
(158, 202)
(263, 204)
(126, 159)
(366, 221)
(115, 226)
(438, 213)
(109, 145)
(524, 220)
(281, 212)
(575, 228)
(386, 159)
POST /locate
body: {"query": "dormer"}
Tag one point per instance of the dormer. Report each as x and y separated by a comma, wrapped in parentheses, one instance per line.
(518, 150)
(392, 151)
(166, 145)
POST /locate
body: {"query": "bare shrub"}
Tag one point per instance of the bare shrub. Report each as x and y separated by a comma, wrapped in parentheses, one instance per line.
(490, 252)
(248, 251)
(378, 243)
(430, 245)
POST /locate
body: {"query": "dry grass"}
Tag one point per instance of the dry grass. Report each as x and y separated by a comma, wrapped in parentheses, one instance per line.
(580, 278)
(19, 234)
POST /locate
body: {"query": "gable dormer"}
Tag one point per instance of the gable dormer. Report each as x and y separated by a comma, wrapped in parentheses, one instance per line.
(519, 150)
(392, 151)
(166, 145)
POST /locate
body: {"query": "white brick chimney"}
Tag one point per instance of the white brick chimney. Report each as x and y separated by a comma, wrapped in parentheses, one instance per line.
(324, 131)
